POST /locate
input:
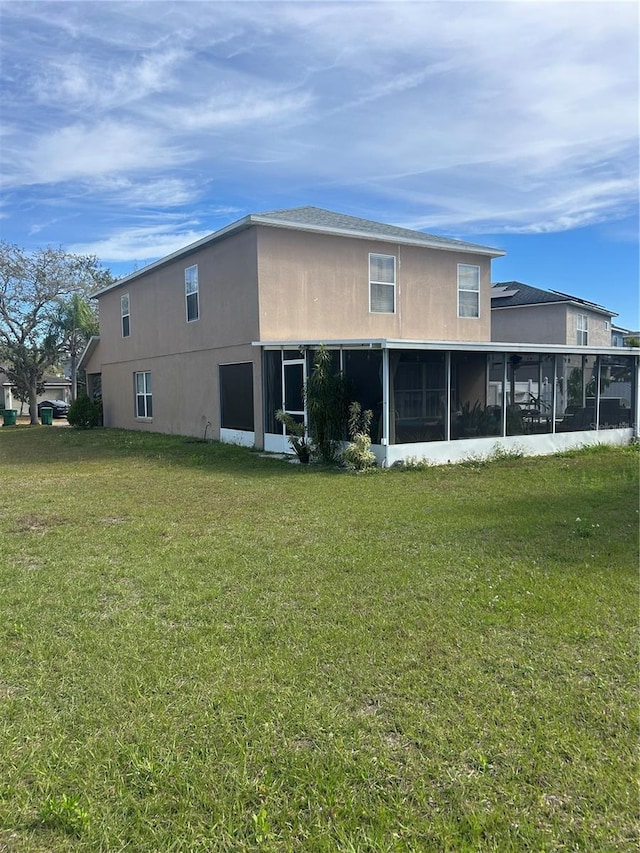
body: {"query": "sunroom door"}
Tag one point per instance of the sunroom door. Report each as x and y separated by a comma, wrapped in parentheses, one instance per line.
(294, 374)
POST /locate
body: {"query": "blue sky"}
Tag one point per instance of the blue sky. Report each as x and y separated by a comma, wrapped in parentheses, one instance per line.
(129, 130)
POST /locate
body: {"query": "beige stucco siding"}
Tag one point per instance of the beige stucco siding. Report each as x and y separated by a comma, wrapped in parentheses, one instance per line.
(598, 335)
(227, 299)
(552, 323)
(183, 357)
(185, 391)
(316, 286)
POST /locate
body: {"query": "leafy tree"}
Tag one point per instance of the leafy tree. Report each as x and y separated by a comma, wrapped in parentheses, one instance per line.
(32, 286)
(632, 341)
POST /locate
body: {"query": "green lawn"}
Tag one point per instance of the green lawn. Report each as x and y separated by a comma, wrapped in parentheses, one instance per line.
(205, 650)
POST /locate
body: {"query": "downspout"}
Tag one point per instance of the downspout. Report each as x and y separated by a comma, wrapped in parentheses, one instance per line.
(597, 393)
(447, 423)
(636, 425)
(503, 402)
(385, 401)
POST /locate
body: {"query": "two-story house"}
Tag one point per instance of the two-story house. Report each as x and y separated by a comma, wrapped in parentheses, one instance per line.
(522, 313)
(213, 339)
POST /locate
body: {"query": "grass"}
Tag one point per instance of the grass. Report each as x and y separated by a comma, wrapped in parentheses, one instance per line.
(205, 650)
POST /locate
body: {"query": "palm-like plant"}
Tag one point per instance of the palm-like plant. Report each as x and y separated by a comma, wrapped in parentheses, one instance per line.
(76, 322)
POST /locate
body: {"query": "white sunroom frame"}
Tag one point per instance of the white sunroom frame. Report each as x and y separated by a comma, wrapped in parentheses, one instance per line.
(448, 450)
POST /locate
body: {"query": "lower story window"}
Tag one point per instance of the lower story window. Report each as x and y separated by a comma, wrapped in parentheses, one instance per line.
(236, 396)
(144, 404)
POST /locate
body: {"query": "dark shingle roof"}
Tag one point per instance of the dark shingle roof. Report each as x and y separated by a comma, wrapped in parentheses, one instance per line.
(509, 294)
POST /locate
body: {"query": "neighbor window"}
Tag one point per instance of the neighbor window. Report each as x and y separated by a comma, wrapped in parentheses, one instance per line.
(124, 313)
(144, 406)
(191, 292)
(382, 284)
(606, 326)
(468, 290)
(582, 326)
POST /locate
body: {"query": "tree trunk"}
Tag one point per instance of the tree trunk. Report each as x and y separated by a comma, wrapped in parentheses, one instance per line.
(33, 405)
(74, 374)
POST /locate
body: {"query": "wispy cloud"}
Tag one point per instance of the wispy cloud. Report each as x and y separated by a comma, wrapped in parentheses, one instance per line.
(140, 244)
(520, 117)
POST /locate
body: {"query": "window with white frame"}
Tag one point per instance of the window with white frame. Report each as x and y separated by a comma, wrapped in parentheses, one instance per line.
(468, 290)
(607, 326)
(124, 313)
(582, 326)
(144, 403)
(382, 284)
(191, 293)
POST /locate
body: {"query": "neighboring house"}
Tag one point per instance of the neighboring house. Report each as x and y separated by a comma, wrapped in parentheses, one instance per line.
(623, 337)
(55, 388)
(522, 313)
(618, 335)
(215, 338)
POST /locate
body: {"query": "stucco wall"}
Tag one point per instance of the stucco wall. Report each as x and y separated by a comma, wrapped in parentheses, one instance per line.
(182, 357)
(227, 298)
(598, 336)
(316, 286)
(553, 323)
(544, 324)
(185, 391)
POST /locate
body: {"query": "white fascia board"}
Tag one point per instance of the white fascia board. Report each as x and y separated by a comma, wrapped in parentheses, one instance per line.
(88, 351)
(459, 346)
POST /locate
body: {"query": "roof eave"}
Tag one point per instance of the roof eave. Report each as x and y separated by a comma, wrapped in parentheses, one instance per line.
(258, 219)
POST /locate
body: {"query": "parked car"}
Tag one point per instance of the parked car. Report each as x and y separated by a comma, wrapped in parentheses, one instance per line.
(60, 408)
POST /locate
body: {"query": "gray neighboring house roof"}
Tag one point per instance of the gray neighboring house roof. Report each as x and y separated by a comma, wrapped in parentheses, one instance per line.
(511, 294)
(321, 221)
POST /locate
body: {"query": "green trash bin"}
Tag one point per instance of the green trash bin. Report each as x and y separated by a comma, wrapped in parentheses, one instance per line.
(46, 416)
(10, 417)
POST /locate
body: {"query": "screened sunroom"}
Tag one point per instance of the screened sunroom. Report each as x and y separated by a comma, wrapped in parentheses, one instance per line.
(442, 401)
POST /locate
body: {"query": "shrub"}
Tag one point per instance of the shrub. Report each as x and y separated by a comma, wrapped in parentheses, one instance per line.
(85, 413)
(358, 455)
(296, 434)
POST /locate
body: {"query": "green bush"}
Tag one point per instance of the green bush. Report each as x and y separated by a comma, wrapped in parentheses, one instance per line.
(85, 413)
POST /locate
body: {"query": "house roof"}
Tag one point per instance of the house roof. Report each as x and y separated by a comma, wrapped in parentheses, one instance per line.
(321, 221)
(326, 221)
(512, 294)
(48, 379)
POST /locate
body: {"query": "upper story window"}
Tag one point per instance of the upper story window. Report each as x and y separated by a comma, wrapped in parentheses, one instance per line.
(607, 326)
(191, 293)
(468, 290)
(124, 313)
(582, 326)
(382, 284)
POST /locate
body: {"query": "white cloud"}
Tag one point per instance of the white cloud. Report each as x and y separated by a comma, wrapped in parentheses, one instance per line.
(140, 244)
(515, 115)
(81, 150)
